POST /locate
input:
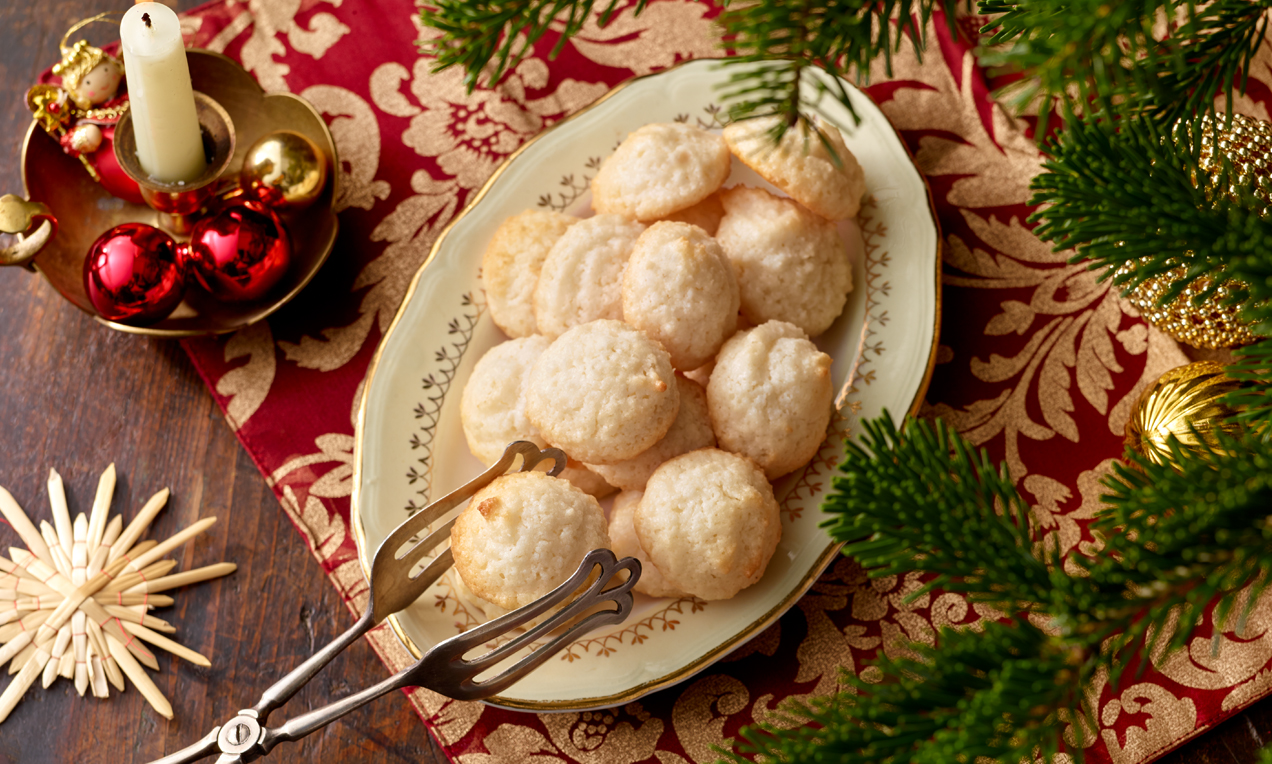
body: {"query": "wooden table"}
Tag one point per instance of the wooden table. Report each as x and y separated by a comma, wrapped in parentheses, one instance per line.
(78, 396)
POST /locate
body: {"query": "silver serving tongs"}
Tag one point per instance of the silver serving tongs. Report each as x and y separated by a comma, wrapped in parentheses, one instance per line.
(442, 669)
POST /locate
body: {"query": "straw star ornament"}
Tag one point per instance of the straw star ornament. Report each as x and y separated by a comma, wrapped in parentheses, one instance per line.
(75, 603)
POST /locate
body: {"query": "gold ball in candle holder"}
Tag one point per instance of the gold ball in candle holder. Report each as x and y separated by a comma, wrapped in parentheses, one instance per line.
(1185, 403)
(284, 170)
(1247, 145)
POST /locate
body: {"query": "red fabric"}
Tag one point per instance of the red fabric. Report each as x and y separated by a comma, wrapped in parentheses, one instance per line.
(1037, 361)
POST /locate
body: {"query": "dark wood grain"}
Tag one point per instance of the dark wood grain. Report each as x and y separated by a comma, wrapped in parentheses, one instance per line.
(77, 396)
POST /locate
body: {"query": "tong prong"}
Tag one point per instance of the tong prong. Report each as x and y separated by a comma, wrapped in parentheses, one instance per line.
(389, 598)
(435, 569)
(450, 674)
(392, 589)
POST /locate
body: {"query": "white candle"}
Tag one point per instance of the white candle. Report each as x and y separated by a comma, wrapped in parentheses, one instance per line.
(169, 145)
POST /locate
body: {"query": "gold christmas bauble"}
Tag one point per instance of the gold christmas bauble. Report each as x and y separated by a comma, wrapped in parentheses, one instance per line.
(1247, 144)
(284, 170)
(1185, 403)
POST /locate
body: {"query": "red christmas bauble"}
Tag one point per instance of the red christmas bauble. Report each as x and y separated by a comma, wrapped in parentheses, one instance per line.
(132, 274)
(239, 252)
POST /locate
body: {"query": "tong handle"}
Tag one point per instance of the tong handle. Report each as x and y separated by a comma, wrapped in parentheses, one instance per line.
(300, 726)
(277, 694)
(282, 690)
(205, 747)
(443, 668)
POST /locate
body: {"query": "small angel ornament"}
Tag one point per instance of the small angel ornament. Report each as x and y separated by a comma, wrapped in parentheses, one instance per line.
(81, 111)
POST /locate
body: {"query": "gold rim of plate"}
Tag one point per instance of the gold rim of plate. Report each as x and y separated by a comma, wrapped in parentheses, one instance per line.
(738, 639)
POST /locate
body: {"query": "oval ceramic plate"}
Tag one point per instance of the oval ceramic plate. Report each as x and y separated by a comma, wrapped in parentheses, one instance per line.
(411, 448)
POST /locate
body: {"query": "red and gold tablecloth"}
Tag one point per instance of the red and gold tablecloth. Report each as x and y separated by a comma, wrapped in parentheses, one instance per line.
(1038, 362)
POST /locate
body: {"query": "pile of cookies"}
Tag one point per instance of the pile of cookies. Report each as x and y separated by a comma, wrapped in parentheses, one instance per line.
(664, 344)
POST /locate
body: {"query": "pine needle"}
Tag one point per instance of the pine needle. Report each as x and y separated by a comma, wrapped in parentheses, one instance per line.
(994, 695)
(924, 499)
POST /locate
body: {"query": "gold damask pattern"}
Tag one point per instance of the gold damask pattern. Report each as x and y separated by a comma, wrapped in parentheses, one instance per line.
(1039, 363)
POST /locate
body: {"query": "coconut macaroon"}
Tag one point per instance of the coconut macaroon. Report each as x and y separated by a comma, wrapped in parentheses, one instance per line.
(659, 169)
(691, 431)
(582, 276)
(624, 543)
(791, 264)
(492, 409)
(584, 479)
(603, 392)
(510, 268)
(709, 523)
(706, 214)
(523, 535)
(769, 397)
(802, 164)
(679, 288)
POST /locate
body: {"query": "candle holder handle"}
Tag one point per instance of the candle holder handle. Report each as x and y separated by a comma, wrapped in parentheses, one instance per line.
(31, 224)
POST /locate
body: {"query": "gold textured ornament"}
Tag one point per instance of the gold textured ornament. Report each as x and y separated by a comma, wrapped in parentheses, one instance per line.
(284, 170)
(1247, 145)
(1185, 403)
(75, 602)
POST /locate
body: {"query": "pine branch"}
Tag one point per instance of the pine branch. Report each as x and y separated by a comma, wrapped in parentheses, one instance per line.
(1219, 42)
(778, 42)
(1122, 193)
(493, 36)
(995, 694)
(1177, 539)
(1090, 44)
(923, 499)
(1254, 368)
(1111, 52)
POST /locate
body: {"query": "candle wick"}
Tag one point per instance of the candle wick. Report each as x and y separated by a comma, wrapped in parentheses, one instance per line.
(146, 18)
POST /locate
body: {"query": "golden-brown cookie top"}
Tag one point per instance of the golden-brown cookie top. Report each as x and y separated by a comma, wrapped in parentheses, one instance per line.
(690, 431)
(660, 169)
(791, 264)
(492, 409)
(625, 544)
(510, 267)
(679, 288)
(705, 214)
(582, 275)
(802, 165)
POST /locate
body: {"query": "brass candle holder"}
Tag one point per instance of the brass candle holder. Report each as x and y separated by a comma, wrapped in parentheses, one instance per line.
(65, 210)
(180, 202)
